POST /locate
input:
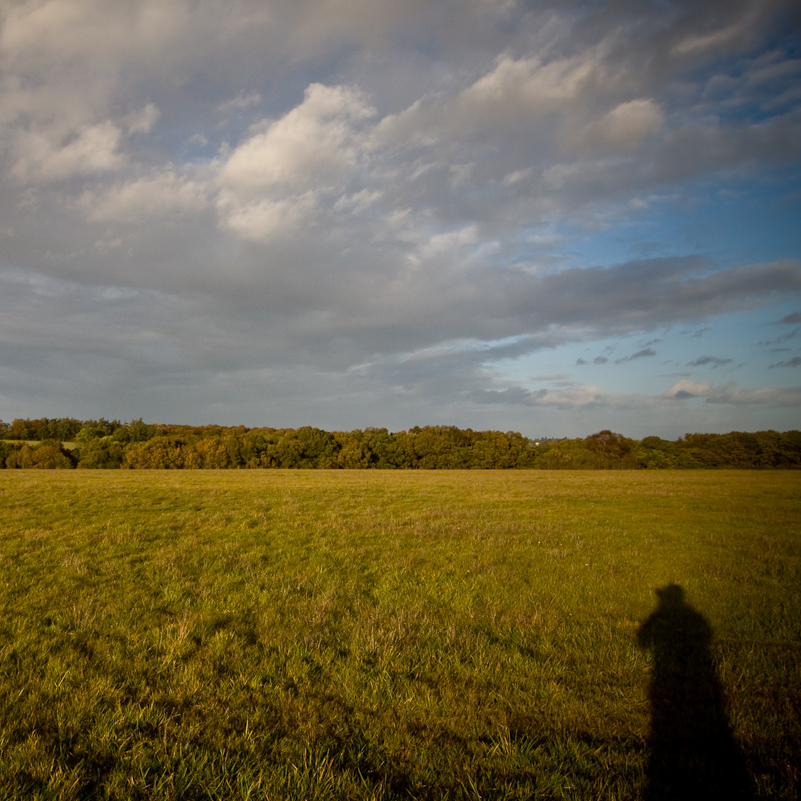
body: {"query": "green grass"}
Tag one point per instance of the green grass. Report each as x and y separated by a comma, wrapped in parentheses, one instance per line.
(381, 635)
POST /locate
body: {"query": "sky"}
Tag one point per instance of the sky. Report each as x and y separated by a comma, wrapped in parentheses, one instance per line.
(539, 216)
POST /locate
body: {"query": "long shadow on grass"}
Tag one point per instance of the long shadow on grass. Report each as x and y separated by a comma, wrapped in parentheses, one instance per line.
(692, 751)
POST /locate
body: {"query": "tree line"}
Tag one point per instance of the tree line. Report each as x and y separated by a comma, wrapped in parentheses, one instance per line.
(70, 443)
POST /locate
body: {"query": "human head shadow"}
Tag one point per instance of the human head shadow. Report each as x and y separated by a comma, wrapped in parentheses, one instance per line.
(693, 753)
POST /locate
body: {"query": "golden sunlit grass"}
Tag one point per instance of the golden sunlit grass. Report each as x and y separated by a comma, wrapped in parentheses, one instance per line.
(335, 634)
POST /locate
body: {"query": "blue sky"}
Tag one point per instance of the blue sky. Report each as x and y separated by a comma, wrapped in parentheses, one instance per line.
(546, 217)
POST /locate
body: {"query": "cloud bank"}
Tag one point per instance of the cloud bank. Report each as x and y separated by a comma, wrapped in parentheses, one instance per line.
(284, 214)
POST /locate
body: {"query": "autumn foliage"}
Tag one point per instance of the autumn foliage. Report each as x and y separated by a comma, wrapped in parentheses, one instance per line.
(68, 443)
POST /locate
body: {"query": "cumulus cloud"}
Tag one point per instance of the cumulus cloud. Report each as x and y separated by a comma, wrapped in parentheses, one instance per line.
(689, 389)
(273, 180)
(571, 397)
(265, 220)
(315, 144)
(161, 196)
(89, 150)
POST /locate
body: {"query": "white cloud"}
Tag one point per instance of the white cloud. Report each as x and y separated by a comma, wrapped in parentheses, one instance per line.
(696, 43)
(588, 396)
(67, 34)
(731, 393)
(449, 242)
(71, 60)
(516, 176)
(90, 150)
(163, 196)
(689, 389)
(530, 86)
(358, 202)
(624, 127)
(571, 397)
(314, 145)
(144, 120)
(516, 91)
(266, 220)
(241, 102)
(278, 176)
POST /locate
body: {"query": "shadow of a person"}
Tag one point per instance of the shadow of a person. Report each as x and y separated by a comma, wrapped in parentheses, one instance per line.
(692, 751)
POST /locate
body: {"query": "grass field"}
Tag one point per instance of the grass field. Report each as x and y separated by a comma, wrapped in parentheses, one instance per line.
(381, 635)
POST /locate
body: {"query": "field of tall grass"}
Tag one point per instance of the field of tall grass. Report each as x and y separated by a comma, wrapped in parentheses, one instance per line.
(399, 635)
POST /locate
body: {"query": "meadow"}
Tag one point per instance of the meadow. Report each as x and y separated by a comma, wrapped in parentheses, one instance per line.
(324, 634)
